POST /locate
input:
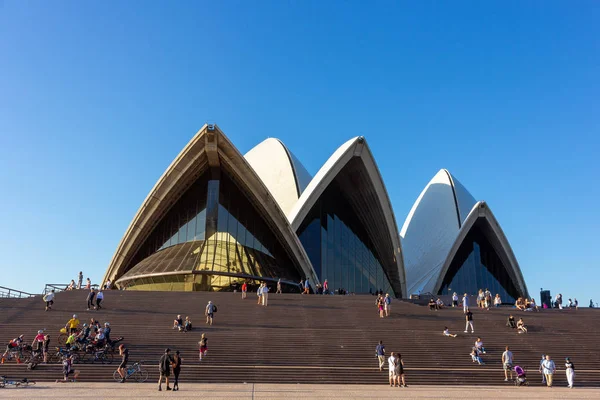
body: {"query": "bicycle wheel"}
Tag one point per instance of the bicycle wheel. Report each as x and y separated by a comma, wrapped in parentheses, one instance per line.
(106, 358)
(62, 339)
(140, 376)
(116, 376)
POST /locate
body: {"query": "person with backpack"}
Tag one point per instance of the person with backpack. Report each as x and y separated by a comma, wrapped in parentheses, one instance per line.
(13, 345)
(164, 367)
(387, 304)
(49, 299)
(210, 311)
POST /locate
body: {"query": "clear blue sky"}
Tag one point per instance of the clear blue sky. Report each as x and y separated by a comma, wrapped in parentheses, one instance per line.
(97, 98)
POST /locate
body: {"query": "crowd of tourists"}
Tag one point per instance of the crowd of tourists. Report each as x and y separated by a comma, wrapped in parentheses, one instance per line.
(478, 353)
(94, 336)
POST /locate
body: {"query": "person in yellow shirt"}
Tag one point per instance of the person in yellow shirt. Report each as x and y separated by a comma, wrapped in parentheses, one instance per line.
(73, 324)
(71, 341)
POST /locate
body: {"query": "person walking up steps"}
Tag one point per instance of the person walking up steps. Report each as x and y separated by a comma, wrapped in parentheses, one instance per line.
(176, 369)
(392, 368)
(400, 382)
(49, 299)
(90, 299)
(469, 320)
(122, 368)
(164, 367)
(380, 353)
(507, 364)
(203, 346)
(210, 311)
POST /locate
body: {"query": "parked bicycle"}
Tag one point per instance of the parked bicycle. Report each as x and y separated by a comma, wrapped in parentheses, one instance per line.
(11, 382)
(135, 372)
(98, 355)
(60, 354)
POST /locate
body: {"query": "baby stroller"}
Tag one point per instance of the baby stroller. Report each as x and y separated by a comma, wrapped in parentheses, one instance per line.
(521, 377)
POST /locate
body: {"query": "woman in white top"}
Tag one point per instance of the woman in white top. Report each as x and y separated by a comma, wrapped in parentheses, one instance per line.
(454, 300)
(497, 300)
(479, 345)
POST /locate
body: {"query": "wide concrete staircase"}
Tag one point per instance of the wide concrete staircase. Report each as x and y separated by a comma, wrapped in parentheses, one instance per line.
(310, 339)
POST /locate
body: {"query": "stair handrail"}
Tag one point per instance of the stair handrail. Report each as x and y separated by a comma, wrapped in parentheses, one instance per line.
(14, 293)
(61, 287)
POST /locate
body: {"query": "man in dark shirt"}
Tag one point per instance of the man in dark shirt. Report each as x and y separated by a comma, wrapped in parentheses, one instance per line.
(469, 319)
(164, 366)
(90, 299)
(122, 369)
(380, 351)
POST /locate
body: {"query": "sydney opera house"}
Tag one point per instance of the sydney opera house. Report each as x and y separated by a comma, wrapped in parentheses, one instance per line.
(217, 218)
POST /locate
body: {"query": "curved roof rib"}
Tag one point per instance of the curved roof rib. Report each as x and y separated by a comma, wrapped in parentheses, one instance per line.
(379, 221)
(428, 233)
(280, 171)
(209, 148)
(495, 235)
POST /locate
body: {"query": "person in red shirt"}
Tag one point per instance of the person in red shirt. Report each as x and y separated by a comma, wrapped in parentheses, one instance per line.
(244, 290)
(38, 341)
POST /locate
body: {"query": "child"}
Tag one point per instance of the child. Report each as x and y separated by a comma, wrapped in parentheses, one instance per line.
(203, 346)
(447, 332)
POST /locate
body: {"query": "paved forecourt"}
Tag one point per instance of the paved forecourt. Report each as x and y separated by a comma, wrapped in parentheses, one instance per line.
(84, 390)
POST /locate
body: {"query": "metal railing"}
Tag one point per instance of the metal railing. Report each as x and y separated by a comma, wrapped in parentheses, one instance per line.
(13, 293)
(60, 287)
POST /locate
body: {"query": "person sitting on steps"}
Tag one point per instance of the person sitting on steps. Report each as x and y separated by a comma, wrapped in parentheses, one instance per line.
(178, 323)
(521, 327)
(447, 332)
(510, 322)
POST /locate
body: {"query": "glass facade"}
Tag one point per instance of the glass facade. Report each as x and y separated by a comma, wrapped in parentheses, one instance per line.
(339, 247)
(475, 266)
(212, 239)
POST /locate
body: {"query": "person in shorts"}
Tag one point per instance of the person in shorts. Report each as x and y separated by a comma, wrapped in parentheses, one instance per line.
(507, 363)
(122, 368)
(203, 343)
(164, 368)
(400, 382)
(49, 299)
(392, 368)
(46, 347)
(68, 370)
(210, 312)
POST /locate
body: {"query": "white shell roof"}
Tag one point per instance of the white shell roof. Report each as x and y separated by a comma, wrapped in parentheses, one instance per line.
(281, 172)
(431, 228)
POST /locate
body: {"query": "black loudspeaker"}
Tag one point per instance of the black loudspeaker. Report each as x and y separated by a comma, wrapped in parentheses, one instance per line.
(546, 298)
